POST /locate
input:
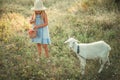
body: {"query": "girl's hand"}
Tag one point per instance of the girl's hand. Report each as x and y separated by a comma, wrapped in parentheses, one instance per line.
(32, 21)
(35, 27)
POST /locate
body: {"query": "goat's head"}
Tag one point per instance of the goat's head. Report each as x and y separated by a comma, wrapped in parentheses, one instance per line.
(71, 41)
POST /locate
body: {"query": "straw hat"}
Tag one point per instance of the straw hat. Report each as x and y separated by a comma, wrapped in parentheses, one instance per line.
(38, 5)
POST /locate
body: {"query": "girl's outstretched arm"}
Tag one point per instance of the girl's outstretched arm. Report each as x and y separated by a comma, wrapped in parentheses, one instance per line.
(32, 20)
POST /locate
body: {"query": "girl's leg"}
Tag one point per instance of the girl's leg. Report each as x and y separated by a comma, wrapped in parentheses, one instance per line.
(39, 49)
(46, 50)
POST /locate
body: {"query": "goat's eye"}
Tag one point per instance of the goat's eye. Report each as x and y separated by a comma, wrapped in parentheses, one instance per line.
(73, 43)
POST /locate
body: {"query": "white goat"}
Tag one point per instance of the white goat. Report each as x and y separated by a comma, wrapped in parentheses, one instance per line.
(93, 50)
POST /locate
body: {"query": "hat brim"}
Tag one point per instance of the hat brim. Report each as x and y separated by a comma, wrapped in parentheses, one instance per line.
(34, 9)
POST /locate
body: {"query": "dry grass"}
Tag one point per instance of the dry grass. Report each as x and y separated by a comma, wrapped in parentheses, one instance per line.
(84, 20)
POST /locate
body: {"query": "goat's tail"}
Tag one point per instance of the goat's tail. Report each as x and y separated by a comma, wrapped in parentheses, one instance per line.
(109, 47)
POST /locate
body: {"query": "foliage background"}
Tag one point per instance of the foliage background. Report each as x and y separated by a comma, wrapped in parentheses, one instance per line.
(87, 20)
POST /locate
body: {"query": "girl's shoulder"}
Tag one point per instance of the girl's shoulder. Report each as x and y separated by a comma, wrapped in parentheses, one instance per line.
(44, 14)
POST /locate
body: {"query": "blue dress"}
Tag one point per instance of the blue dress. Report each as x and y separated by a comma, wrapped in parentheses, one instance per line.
(42, 33)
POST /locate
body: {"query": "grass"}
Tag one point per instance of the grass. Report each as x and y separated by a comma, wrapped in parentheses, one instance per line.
(85, 20)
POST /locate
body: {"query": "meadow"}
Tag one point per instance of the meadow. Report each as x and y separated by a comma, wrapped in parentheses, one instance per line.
(86, 20)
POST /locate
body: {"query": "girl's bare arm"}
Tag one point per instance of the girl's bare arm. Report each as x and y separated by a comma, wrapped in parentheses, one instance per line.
(44, 16)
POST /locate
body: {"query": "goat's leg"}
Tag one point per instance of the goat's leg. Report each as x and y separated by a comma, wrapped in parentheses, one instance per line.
(83, 69)
(104, 60)
(108, 61)
(101, 68)
(83, 64)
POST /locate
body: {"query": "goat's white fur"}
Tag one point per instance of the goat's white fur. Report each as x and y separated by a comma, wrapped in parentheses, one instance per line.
(98, 49)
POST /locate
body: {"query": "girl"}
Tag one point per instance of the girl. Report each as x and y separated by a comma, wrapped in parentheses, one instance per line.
(40, 23)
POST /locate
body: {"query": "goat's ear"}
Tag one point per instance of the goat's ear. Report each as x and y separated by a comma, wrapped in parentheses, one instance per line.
(65, 42)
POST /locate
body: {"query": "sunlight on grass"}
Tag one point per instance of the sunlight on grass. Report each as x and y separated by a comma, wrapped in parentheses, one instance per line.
(87, 20)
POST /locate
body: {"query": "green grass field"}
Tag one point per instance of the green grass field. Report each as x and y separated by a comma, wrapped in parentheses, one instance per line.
(88, 21)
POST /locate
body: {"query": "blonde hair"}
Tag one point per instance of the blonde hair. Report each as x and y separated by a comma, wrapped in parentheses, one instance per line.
(34, 15)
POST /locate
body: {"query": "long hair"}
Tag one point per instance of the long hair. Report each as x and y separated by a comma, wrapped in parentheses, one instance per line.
(34, 15)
